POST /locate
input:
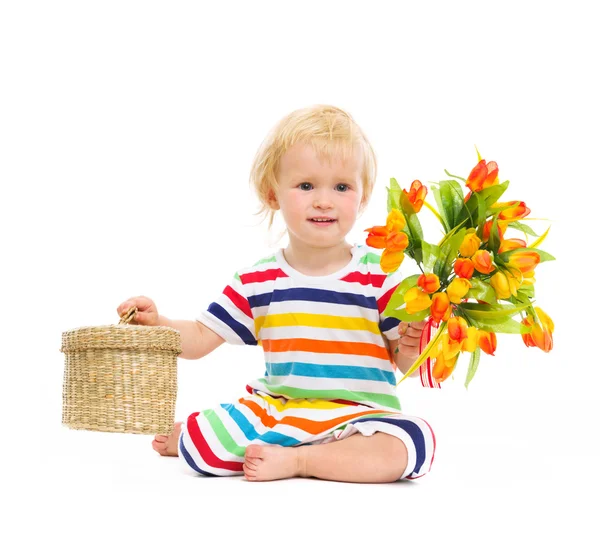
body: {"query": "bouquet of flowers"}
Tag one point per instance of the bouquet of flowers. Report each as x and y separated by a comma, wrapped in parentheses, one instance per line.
(475, 282)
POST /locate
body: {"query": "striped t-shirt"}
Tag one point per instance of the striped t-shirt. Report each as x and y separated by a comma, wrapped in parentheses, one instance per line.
(322, 336)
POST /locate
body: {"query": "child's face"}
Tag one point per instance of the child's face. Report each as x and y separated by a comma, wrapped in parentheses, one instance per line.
(310, 188)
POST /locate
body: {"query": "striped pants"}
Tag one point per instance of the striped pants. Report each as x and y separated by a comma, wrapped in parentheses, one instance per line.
(213, 442)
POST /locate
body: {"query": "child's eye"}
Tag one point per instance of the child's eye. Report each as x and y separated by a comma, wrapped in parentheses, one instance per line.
(307, 187)
(344, 187)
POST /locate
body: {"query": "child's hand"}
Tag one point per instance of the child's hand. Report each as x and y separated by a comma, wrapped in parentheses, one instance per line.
(147, 313)
(410, 338)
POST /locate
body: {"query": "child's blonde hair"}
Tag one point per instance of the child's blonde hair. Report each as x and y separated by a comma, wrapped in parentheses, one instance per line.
(331, 131)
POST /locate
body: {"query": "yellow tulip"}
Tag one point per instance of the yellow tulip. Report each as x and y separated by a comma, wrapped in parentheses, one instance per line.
(391, 260)
(416, 300)
(458, 289)
(450, 348)
(469, 245)
(541, 333)
(470, 343)
(395, 220)
(443, 367)
(506, 283)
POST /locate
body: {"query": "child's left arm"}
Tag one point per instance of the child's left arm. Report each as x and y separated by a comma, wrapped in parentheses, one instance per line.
(407, 345)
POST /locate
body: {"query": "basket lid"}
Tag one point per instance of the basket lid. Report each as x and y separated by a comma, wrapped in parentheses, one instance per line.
(122, 336)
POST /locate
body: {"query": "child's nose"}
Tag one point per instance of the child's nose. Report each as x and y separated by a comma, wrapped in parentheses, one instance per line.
(322, 199)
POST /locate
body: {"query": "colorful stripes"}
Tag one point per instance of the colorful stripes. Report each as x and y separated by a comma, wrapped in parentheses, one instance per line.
(213, 441)
(320, 335)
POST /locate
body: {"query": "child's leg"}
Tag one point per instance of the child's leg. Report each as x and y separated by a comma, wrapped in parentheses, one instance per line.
(377, 458)
(358, 458)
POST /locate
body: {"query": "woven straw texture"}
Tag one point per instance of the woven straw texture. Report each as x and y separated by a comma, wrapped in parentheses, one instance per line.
(121, 378)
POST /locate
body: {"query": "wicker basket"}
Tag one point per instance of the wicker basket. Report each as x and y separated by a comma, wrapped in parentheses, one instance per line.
(121, 378)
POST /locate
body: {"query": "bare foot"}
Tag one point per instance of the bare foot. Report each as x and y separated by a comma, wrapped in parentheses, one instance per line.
(267, 462)
(167, 445)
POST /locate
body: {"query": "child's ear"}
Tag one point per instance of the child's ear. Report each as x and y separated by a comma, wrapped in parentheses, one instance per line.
(272, 200)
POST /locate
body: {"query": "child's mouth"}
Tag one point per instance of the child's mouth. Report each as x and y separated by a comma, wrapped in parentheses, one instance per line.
(322, 221)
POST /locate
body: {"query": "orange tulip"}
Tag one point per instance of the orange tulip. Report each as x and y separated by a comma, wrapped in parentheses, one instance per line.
(458, 289)
(469, 245)
(482, 260)
(464, 267)
(428, 282)
(416, 195)
(440, 307)
(511, 244)
(487, 228)
(396, 241)
(525, 261)
(512, 210)
(390, 239)
(541, 333)
(443, 367)
(377, 237)
(457, 329)
(483, 176)
(416, 300)
(487, 341)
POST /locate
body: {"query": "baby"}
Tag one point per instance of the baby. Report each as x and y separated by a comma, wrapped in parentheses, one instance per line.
(326, 406)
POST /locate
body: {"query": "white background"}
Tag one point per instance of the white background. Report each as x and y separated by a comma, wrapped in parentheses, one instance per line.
(127, 130)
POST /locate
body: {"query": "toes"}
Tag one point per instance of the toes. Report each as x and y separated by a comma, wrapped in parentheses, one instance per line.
(159, 447)
(249, 472)
(254, 451)
(161, 438)
(252, 463)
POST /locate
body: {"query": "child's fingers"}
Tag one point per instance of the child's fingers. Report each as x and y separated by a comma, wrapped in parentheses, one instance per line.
(141, 302)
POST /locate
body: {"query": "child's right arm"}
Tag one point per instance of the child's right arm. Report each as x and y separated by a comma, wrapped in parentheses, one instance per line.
(197, 340)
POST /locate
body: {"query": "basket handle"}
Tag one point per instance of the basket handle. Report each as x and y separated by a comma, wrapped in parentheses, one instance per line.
(129, 315)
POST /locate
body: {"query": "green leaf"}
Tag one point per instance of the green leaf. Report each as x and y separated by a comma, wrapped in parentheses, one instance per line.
(404, 316)
(494, 239)
(474, 213)
(393, 199)
(397, 299)
(522, 227)
(526, 292)
(448, 253)
(452, 200)
(431, 253)
(441, 209)
(413, 227)
(481, 290)
(490, 313)
(473, 364)
(509, 326)
(492, 194)
(455, 176)
(406, 284)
